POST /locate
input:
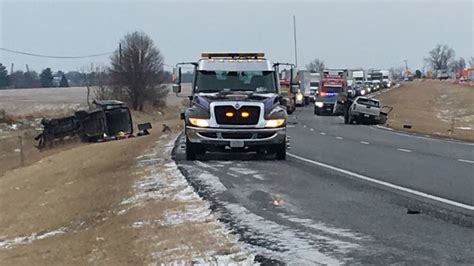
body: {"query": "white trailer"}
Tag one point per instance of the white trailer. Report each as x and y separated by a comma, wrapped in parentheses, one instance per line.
(315, 78)
(304, 77)
(386, 80)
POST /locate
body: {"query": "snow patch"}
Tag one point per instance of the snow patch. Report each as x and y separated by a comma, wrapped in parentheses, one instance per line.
(243, 171)
(22, 240)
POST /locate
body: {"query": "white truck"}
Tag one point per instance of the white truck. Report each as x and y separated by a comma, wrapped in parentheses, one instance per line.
(365, 109)
(386, 80)
(358, 76)
(315, 78)
(304, 79)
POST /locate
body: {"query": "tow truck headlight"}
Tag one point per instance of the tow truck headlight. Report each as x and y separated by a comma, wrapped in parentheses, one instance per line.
(299, 97)
(199, 122)
(362, 92)
(275, 122)
(319, 104)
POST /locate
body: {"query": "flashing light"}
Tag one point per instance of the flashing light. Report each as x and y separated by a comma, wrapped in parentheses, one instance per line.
(245, 114)
(229, 114)
(319, 104)
(326, 94)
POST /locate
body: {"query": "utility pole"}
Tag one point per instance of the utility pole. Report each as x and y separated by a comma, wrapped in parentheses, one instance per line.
(406, 67)
(11, 69)
(294, 37)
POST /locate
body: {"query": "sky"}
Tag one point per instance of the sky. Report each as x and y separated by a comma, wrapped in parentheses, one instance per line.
(369, 34)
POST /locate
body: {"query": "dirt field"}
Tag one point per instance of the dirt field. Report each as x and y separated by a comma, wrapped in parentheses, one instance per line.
(115, 203)
(437, 108)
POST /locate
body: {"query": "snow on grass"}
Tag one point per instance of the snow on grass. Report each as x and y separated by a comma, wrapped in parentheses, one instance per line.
(22, 240)
(162, 181)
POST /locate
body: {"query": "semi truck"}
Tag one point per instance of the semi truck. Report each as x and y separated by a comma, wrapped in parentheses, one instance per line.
(376, 78)
(304, 79)
(315, 79)
(386, 81)
(235, 105)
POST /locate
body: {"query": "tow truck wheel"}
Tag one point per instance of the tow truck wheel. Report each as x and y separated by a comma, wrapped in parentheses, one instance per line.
(280, 151)
(193, 149)
(316, 112)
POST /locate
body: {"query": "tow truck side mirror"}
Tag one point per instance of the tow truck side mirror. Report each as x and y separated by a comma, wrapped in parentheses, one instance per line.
(177, 77)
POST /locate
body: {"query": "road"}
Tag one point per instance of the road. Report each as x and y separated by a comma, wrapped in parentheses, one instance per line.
(342, 195)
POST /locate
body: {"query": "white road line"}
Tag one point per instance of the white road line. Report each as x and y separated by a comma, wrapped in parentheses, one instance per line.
(465, 161)
(322, 133)
(387, 184)
(304, 125)
(422, 137)
(340, 117)
(365, 142)
(338, 137)
(404, 150)
(311, 129)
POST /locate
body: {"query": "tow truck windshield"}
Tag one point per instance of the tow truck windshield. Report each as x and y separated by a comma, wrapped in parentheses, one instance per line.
(217, 81)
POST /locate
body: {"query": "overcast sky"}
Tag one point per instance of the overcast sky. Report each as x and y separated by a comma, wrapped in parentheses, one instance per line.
(370, 34)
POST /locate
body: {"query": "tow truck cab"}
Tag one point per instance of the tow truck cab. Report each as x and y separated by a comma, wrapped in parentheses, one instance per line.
(332, 91)
(235, 105)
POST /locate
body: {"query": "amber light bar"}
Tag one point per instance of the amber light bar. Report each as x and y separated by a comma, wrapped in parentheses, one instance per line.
(234, 55)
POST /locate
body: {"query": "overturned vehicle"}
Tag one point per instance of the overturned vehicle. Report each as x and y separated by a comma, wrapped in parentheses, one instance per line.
(109, 120)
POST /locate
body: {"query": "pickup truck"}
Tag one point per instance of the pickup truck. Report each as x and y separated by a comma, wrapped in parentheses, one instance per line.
(364, 109)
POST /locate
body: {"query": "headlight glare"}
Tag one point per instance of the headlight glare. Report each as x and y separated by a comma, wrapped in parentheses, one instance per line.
(275, 122)
(319, 104)
(199, 122)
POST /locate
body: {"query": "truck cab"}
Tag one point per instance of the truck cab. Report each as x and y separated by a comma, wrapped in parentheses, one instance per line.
(235, 106)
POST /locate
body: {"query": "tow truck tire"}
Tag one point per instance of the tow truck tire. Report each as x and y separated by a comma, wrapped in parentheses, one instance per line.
(193, 149)
(280, 151)
(316, 112)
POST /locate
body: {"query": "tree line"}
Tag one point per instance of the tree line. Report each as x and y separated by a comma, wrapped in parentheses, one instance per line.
(441, 57)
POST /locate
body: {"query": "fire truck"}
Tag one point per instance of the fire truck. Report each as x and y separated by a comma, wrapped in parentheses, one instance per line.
(333, 94)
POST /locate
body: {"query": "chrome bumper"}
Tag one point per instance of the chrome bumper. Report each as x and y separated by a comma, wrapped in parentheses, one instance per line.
(223, 136)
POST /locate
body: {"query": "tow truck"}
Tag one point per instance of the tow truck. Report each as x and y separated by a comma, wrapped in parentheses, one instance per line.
(235, 105)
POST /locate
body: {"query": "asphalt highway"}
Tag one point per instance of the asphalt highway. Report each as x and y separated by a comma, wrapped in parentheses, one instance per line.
(347, 194)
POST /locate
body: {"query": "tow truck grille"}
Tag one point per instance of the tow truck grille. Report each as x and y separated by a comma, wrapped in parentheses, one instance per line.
(223, 117)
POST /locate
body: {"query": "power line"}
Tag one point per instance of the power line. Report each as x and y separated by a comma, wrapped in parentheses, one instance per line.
(54, 56)
(67, 57)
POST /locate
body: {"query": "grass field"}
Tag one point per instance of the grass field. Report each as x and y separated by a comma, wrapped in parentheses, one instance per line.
(431, 107)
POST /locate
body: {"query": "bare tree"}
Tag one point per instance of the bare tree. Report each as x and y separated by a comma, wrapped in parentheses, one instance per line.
(458, 65)
(440, 57)
(138, 67)
(315, 66)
